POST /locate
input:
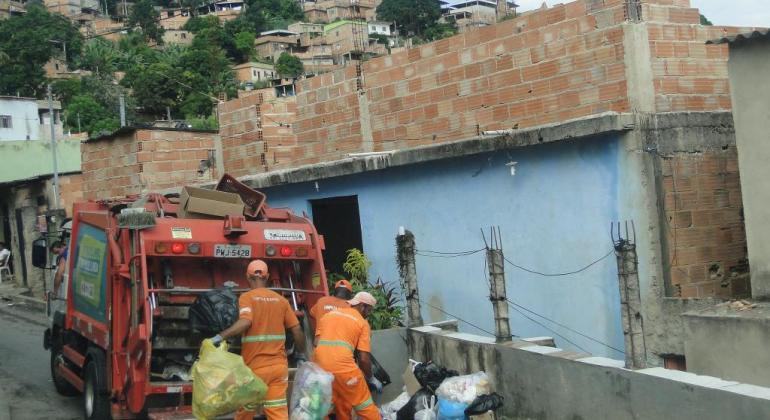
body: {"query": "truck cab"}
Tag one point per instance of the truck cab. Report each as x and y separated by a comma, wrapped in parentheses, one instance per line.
(122, 339)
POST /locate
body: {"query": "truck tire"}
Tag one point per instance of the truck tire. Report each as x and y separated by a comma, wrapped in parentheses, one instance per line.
(96, 400)
(63, 387)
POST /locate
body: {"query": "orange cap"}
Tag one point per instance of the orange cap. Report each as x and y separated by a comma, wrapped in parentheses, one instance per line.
(343, 283)
(257, 267)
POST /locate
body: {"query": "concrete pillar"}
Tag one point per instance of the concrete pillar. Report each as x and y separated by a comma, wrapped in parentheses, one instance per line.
(630, 303)
(407, 270)
(637, 59)
(496, 264)
(367, 138)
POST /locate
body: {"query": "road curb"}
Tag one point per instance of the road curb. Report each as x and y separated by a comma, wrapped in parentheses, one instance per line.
(33, 302)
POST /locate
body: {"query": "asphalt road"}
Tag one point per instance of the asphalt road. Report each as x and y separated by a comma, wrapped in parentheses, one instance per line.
(26, 390)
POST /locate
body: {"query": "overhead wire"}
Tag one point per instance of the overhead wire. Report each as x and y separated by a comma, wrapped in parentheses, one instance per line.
(444, 254)
(456, 317)
(529, 270)
(516, 305)
(549, 329)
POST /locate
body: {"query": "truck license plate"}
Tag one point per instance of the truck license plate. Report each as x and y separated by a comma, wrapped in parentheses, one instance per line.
(232, 251)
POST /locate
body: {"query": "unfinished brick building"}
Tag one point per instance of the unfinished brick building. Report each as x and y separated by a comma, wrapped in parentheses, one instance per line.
(550, 125)
(137, 160)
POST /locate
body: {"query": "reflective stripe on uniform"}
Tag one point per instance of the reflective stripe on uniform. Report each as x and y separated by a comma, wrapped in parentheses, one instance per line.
(274, 403)
(263, 338)
(336, 343)
(364, 404)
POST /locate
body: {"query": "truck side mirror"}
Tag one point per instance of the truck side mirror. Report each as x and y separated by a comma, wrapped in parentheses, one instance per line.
(39, 253)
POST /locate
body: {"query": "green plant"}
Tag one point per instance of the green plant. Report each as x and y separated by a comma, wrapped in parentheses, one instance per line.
(388, 312)
(357, 266)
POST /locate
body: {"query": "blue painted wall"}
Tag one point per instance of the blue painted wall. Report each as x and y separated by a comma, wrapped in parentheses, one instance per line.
(554, 215)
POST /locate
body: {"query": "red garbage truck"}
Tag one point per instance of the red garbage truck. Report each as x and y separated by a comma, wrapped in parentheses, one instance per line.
(121, 336)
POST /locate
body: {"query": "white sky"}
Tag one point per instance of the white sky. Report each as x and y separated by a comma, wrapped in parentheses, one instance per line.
(721, 12)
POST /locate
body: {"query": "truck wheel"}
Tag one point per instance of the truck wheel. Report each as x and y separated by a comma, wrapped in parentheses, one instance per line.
(63, 387)
(96, 401)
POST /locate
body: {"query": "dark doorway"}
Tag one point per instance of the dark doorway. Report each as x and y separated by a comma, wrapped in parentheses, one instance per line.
(22, 253)
(337, 219)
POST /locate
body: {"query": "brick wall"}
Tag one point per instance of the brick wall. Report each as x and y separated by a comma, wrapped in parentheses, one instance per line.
(136, 161)
(542, 67)
(688, 75)
(257, 132)
(70, 191)
(705, 233)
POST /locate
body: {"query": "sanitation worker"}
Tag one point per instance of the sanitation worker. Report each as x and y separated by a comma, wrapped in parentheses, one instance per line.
(342, 292)
(338, 335)
(264, 317)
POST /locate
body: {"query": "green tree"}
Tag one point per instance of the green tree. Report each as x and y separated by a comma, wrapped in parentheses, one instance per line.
(144, 15)
(100, 55)
(252, 19)
(26, 45)
(154, 88)
(289, 65)
(89, 115)
(413, 16)
(705, 21)
(278, 9)
(244, 46)
(197, 23)
(439, 31)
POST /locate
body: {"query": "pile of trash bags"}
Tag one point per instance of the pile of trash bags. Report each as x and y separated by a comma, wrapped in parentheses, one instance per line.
(222, 383)
(443, 395)
(214, 311)
(311, 395)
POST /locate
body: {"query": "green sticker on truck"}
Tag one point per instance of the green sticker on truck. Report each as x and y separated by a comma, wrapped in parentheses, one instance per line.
(90, 272)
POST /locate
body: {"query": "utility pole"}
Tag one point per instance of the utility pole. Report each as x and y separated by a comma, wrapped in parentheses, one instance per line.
(496, 264)
(407, 269)
(52, 120)
(122, 110)
(630, 296)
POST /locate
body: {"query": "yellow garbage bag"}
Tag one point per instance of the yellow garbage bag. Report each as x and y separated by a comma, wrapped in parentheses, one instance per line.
(222, 382)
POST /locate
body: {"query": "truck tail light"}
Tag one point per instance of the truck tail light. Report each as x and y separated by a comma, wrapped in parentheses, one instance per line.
(286, 251)
(161, 248)
(300, 252)
(177, 248)
(270, 251)
(194, 248)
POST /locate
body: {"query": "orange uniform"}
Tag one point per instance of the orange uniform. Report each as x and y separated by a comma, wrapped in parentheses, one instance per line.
(327, 304)
(263, 348)
(339, 334)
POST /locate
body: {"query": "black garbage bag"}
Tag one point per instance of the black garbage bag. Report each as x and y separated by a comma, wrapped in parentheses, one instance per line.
(431, 375)
(378, 371)
(484, 403)
(214, 311)
(414, 404)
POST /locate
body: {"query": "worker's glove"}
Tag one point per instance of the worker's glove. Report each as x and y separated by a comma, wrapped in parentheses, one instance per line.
(375, 384)
(300, 358)
(216, 340)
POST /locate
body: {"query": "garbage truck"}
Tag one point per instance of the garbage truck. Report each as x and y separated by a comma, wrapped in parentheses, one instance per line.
(121, 336)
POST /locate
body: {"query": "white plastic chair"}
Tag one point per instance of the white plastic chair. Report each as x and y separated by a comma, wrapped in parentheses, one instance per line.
(5, 268)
